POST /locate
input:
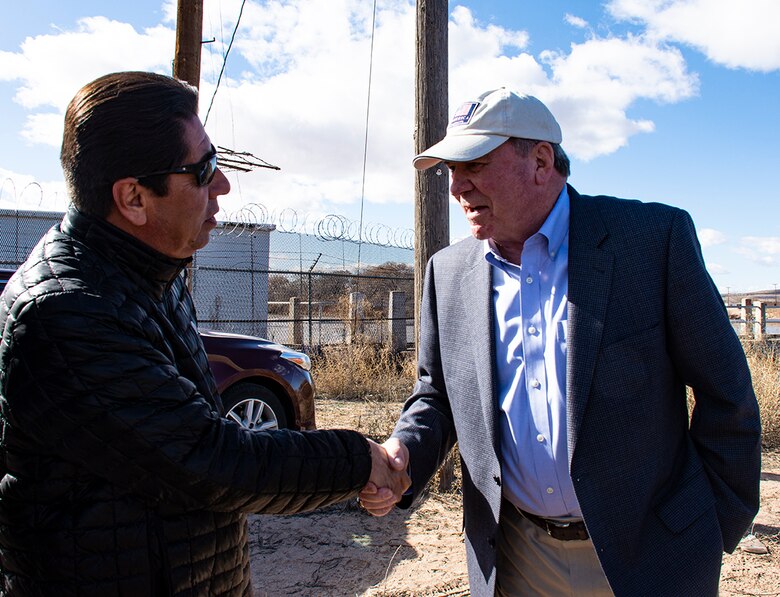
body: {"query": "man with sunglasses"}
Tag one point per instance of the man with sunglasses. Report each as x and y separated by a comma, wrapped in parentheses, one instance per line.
(118, 474)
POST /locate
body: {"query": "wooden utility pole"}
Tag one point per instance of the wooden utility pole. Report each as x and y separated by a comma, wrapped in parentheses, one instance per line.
(431, 206)
(186, 60)
(189, 37)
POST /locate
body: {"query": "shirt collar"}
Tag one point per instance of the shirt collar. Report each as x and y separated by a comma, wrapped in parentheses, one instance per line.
(555, 229)
(556, 226)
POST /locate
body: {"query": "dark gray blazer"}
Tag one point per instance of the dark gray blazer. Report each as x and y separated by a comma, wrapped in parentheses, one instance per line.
(661, 499)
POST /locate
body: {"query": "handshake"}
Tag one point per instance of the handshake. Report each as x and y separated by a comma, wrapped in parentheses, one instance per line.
(388, 480)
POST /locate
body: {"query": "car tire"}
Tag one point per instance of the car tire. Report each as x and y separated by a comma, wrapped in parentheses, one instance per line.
(255, 407)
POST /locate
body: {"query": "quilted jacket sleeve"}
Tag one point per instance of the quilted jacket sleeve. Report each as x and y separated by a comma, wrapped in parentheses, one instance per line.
(98, 392)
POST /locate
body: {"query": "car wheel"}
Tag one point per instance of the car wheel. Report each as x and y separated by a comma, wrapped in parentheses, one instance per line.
(254, 407)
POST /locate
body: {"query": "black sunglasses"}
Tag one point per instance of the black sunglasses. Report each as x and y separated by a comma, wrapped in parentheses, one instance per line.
(203, 170)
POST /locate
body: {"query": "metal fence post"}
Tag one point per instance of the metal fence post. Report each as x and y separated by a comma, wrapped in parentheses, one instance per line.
(296, 323)
(396, 321)
(308, 310)
(746, 314)
(313, 265)
(759, 320)
(355, 324)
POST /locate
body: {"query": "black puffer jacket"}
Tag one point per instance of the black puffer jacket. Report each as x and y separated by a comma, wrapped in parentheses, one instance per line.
(119, 476)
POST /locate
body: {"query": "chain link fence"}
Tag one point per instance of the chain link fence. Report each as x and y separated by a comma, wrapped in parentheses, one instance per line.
(309, 287)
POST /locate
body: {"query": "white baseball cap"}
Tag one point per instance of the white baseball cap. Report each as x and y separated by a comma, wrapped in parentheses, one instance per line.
(480, 126)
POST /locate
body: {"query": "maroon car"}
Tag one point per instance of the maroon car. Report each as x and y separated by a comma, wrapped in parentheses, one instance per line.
(263, 385)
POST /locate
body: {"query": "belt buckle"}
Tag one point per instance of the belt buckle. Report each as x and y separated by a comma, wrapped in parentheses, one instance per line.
(550, 524)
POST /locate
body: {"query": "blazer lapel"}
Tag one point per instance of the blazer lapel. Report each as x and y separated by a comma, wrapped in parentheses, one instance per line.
(590, 277)
(477, 289)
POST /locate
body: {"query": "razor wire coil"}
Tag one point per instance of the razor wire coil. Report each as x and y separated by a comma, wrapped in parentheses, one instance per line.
(251, 217)
(331, 227)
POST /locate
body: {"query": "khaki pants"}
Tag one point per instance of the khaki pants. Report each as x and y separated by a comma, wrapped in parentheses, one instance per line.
(531, 563)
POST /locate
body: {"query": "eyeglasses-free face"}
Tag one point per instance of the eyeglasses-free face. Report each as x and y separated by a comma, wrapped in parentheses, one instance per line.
(203, 170)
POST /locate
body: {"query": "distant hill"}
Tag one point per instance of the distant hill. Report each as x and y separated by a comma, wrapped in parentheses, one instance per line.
(771, 297)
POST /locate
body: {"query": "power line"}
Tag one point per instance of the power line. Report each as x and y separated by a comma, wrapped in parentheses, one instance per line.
(224, 62)
(365, 143)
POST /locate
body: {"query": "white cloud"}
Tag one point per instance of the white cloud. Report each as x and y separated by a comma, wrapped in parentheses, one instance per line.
(482, 58)
(709, 237)
(303, 103)
(575, 21)
(589, 89)
(734, 34)
(764, 250)
(50, 68)
(44, 127)
(593, 86)
(470, 40)
(716, 269)
(295, 89)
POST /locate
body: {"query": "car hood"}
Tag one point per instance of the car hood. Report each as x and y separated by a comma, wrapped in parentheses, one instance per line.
(243, 338)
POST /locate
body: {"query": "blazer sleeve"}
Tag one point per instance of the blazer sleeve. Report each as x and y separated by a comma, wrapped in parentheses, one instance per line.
(725, 424)
(426, 424)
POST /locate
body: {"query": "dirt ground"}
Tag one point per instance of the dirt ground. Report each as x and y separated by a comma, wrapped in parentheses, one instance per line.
(342, 551)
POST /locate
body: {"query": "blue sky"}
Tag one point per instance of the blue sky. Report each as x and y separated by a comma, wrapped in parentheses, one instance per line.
(660, 100)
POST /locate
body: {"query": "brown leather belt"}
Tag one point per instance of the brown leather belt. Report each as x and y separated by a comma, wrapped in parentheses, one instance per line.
(563, 531)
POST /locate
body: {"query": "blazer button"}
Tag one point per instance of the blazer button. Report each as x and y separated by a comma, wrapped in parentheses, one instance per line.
(497, 479)
(491, 542)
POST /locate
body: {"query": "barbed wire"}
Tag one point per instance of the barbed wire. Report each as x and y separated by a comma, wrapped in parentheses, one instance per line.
(247, 219)
(331, 227)
(18, 198)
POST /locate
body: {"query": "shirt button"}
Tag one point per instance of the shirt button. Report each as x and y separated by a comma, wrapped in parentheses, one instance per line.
(550, 490)
(535, 383)
(540, 438)
(529, 280)
(531, 329)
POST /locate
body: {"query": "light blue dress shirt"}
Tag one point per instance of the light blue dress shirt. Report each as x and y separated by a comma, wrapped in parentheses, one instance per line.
(530, 303)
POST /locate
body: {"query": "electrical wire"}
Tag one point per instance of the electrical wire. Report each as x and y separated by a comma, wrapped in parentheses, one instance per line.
(224, 62)
(365, 143)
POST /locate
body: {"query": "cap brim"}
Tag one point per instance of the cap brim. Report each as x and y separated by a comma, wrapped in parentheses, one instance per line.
(458, 148)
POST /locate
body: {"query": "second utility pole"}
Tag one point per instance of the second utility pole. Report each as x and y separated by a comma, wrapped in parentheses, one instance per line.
(189, 38)
(186, 61)
(431, 200)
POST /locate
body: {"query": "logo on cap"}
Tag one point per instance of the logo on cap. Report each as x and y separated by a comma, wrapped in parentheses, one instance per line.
(464, 113)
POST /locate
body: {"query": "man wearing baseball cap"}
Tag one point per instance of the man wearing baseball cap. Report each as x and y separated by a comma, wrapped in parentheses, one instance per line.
(555, 348)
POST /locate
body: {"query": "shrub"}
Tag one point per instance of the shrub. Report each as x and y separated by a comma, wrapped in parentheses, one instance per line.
(764, 361)
(363, 370)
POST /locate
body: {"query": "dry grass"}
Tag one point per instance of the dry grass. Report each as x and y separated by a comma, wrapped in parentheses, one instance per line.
(764, 361)
(363, 387)
(363, 371)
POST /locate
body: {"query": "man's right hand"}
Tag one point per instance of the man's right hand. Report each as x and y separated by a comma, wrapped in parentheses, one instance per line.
(388, 480)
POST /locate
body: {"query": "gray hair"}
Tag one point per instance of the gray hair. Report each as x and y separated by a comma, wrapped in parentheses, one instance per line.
(561, 161)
